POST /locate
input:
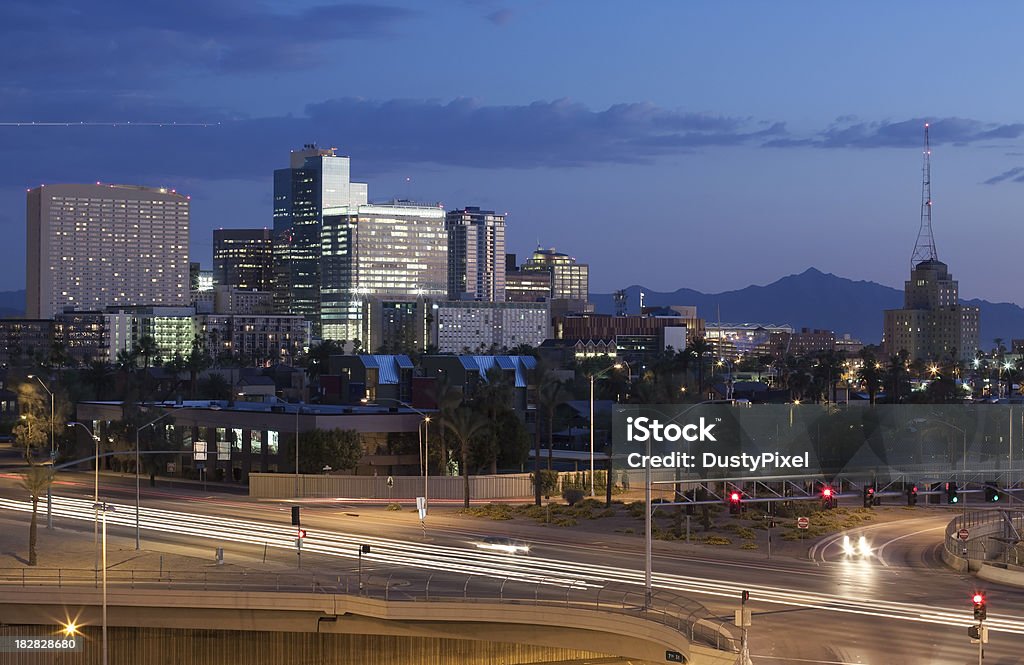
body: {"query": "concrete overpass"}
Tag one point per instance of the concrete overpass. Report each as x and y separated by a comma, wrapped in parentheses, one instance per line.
(211, 623)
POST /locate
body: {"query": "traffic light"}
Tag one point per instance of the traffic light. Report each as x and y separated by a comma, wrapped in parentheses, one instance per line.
(295, 516)
(980, 609)
(869, 496)
(951, 495)
(992, 492)
(828, 498)
(912, 495)
(735, 503)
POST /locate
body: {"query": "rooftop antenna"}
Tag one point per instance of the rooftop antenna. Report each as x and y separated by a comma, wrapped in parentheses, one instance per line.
(924, 248)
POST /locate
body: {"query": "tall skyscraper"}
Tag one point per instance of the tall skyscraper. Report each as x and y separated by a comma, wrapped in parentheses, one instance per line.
(95, 246)
(932, 325)
(569, 280)
(398, 251)
(315, 179)
(243, 258)
(476, 255)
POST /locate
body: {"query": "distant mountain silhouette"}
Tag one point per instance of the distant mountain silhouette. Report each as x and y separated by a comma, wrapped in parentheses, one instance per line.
(12, 304)
(814, 299)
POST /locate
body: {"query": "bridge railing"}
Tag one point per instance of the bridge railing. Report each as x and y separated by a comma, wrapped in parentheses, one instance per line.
(989, 536)
(687, 616)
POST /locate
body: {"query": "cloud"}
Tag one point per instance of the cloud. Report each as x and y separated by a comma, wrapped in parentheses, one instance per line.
(1016, 174)
(382, 134)
(501, 16)
(845, 133)
(116, 41)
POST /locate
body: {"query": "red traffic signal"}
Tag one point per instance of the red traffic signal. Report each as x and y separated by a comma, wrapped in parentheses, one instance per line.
(978, 599)
(302, 533)
(827, 492)
(735, 507)
(980, 610)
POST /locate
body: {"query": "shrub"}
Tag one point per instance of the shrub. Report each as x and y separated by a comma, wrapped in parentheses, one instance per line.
(718, 540)
(548, 482)
(394, 506)
(572, 495)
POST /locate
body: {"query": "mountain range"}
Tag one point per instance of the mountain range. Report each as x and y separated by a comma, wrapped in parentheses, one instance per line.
(12, 303)
(813, 299)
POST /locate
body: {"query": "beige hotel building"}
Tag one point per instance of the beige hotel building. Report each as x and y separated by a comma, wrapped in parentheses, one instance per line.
(97, 245)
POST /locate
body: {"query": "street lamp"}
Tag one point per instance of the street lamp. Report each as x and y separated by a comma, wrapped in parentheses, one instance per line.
(649, 515)
(49, 497)
(95, 487)
(104, 508)
(137, 491)
(424, 441)
(594, 377)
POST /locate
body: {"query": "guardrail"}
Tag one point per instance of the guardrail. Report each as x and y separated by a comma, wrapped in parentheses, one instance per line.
(687, 616)
(984, 527)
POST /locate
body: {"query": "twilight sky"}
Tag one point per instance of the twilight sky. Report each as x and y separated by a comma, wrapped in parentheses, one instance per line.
(709, 145)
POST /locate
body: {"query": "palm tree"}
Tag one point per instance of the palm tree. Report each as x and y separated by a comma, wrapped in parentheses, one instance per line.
(494, 400)
(697, 349)
(551, 394)
(447, 398)
(465, 423)
(870, 374)
(97, 376)
(36, 480)
(147, 350)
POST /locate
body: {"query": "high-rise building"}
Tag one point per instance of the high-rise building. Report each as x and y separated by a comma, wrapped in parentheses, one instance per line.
(316, 179)
(569, 280)
(243, 258)
(94, 246)
(397, 251)
(932, 325)
(476, 255)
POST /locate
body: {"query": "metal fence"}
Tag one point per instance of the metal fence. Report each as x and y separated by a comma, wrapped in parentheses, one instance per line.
(689, 617)
(991, 536)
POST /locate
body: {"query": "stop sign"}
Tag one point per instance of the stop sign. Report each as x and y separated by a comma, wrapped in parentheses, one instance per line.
(963, 534)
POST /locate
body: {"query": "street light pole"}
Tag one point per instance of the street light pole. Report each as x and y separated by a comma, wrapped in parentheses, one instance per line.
(425, 448)
(593, 378)
(95, 489)
(138, 541)
(49, 494)
(104, 508)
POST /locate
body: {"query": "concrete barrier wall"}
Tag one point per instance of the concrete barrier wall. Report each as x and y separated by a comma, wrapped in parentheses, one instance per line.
(484, 488)
(178, 621)
(1011, 575)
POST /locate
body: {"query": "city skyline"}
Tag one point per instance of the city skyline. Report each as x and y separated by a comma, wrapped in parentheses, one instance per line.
(733, 156)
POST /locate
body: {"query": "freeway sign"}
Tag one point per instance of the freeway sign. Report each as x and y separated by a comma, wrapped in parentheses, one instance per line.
(963, 534)
(803, 522)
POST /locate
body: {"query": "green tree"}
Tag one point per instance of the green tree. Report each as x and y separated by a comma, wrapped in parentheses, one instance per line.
(465, 424)
(447, 398)
(32, 431)
(336, 448)
(147, 349)
(36, 480)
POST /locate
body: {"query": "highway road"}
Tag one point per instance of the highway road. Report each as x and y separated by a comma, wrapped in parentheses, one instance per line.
(896, 606)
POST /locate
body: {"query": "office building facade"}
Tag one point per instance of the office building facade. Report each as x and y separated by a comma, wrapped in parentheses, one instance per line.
(462, 326)
(476, 255)
(316, 179)
(94, 246)
(243, 259)
(397, 251)
(570, 280)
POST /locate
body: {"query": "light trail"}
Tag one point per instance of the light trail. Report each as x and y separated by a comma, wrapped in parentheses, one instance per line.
(123, 123)
(533, 569)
